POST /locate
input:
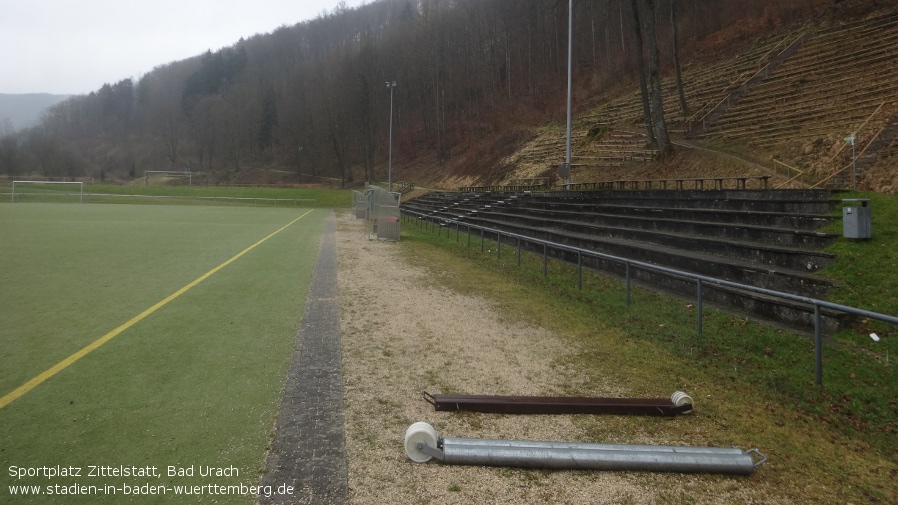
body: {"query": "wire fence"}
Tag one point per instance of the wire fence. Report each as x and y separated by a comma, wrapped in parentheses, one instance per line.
(383, 213)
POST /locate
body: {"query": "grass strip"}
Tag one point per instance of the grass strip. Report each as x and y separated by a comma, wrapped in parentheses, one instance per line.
(754, 384)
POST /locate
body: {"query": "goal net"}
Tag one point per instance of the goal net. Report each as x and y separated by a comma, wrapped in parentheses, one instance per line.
(167, 177)
(47, 191)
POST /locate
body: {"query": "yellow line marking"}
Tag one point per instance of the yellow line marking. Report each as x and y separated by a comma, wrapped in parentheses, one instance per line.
(50, 372)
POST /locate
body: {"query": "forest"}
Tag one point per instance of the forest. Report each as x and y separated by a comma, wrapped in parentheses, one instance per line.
(313, 99)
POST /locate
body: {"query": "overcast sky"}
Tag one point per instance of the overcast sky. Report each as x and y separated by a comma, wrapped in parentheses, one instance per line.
(75, 46)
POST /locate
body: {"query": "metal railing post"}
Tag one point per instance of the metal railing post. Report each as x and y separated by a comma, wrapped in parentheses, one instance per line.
(628, 284)
(579, 270)
(700, 280)
(698, 304)
(818, 344)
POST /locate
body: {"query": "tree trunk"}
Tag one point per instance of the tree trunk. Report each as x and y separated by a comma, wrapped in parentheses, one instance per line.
(655, 82)
(646, 110)
(684, 109)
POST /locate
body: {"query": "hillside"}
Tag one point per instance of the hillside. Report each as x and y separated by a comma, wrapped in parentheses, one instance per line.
(789, 124)
(24, 110)
(480, 97)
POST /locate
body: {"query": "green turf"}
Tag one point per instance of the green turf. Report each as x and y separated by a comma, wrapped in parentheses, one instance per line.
(195, 383)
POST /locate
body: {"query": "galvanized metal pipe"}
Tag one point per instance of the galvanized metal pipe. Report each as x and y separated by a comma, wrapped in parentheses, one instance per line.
(535, 444)
(422, 443)
(591, 457)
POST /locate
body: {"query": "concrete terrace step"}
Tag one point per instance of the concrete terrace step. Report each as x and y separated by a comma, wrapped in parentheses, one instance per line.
(780, 312)
(761, 238)
(780, 201)
(755, 273)
(605, 224)
(805, 222)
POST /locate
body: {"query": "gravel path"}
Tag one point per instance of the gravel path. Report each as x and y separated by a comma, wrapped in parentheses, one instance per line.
(402, 335)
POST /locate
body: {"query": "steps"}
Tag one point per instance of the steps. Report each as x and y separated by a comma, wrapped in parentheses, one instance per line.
(765, 239)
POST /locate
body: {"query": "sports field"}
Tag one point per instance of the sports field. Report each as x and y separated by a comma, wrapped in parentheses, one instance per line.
(144, 348)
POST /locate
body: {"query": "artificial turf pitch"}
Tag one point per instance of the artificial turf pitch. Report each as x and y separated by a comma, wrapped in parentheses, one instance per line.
(185, 395)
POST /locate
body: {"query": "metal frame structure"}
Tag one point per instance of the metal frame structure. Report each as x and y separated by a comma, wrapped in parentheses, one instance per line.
(146, 177)
(360, 205)
(384, 213)
(80, 192)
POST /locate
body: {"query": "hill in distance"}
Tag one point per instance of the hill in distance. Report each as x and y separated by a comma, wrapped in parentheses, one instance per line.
(20, 111)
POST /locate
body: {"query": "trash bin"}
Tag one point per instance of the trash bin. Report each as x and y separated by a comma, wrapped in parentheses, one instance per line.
(856, 220)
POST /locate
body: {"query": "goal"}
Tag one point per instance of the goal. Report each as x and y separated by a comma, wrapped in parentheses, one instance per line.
(47, 191)
(164, 176)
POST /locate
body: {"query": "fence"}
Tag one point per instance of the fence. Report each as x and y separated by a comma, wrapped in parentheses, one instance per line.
(383, 213)
(700, 280)
(360, 205)
(737, 182)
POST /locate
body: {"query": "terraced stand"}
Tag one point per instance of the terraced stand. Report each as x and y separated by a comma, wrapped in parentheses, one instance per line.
(766, 239)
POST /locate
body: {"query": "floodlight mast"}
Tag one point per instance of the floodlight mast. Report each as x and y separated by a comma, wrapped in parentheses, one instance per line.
(570, 43)
(391, 85)
(851, 138)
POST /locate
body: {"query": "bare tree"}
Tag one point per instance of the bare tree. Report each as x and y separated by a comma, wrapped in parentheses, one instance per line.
(643, 87)
(684, 109)
(655, 82)
(468, 68)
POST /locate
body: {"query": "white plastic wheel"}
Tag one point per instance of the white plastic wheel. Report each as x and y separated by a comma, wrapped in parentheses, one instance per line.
(419, 432)
(680, 398)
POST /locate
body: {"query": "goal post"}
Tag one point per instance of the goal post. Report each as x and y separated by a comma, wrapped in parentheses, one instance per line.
(47, 188)
(188, 174)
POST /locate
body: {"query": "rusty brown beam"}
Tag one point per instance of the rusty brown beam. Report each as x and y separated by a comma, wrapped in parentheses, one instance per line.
(561, 404)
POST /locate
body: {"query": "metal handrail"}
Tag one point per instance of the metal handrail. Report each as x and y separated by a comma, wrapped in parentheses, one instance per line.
(700, 279)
